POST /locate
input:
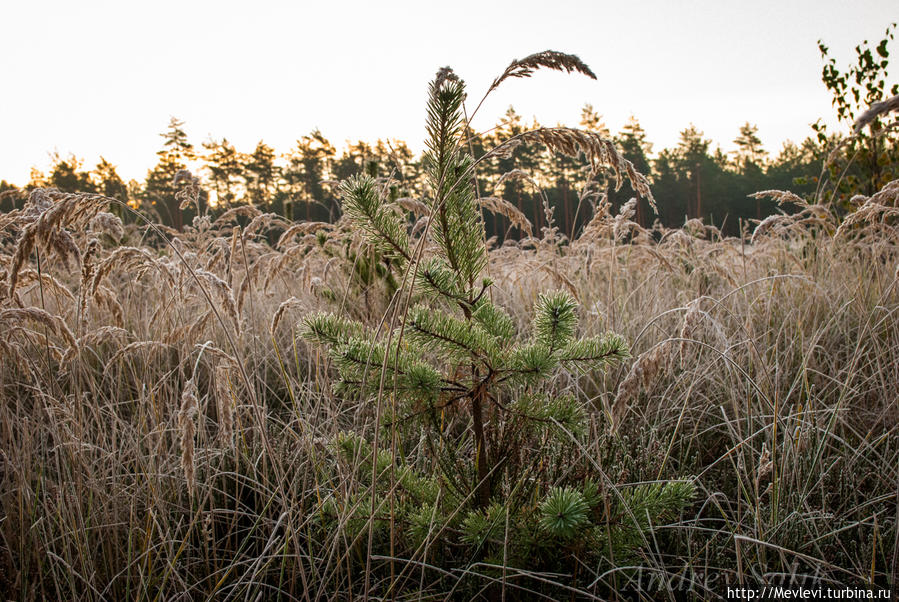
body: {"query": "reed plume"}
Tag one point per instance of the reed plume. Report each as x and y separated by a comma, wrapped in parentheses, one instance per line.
(224, 401)
(186, 417)
(874, 111)
(548, 59)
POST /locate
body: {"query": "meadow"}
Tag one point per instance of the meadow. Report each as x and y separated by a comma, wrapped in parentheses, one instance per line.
(251, 408)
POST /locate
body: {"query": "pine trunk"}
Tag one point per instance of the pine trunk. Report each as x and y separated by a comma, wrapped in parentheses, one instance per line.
(482, 486)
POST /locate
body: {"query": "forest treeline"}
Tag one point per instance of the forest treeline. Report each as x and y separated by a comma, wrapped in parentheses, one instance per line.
(690, 180)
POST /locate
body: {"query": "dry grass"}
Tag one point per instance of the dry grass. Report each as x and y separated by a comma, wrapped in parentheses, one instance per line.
(165, 435)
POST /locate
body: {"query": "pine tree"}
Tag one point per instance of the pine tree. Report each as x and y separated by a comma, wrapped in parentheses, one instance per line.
(160, 189)
(225, 167)
(750, 156)
(457, 346)
(110, 184)
(693, 159)
(636, 149)
(750, 159)
(67, 175)
(261, 175)
(593, 121)
(456, 365)
(307, 166)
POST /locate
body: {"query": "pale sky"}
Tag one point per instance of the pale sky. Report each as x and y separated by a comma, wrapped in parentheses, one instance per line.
(91, 77)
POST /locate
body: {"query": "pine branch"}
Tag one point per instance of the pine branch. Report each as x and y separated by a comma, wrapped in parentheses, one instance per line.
(494, 320)
(436, 279)
(458, 229)
(361, 361)
(383, 228)
(555, 319)
(329, 329)
(458, 338)
(601, 349)
(530, 363)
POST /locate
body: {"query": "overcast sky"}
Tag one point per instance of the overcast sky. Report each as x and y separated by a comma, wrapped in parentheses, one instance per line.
(90, 77)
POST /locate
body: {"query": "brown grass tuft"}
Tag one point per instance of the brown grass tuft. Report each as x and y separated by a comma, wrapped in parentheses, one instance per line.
(46, 214)
(53, 322)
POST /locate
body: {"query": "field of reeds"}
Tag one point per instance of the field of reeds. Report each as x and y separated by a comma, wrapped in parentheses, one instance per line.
(167, 434)
(194, 414)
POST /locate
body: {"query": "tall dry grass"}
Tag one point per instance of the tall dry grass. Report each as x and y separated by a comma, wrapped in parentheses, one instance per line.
(166, 435)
